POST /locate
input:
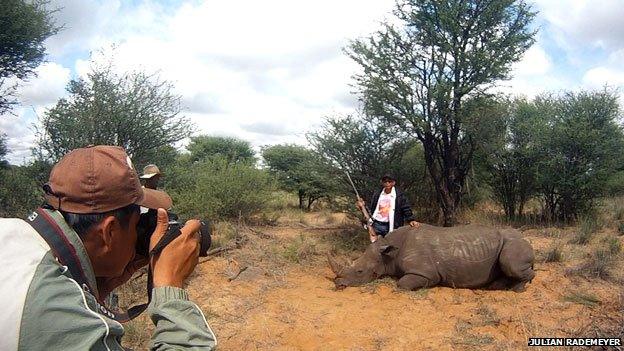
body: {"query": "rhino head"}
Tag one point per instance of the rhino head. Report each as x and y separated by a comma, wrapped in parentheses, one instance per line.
(370, 266)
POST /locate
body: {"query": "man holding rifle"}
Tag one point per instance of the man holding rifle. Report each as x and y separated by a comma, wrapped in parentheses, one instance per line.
(389, 207)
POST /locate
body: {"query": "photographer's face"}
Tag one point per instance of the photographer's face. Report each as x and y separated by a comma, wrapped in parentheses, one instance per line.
(111, 245)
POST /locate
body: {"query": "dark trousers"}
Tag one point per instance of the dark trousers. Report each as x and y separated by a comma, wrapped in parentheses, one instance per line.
(381, 228)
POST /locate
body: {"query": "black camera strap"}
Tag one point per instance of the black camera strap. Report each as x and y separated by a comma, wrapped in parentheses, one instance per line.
(66, 254)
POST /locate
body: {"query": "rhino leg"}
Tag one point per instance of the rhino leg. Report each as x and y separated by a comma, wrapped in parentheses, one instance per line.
(516, 261)
(500, 283)
(414, 282)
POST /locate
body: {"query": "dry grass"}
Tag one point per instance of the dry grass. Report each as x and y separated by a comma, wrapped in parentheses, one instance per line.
(612, 245)
(587, 227)
(276, 254)
(223, 233)
(138, 331)
(487, 316)
(300, 250)
(582, 298)
(599, 264)
(351, 239)
(607, 324)
(464, 337)
(554, 253)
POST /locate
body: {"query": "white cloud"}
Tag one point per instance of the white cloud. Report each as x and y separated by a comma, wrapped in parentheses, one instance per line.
(20, 133)
(598, 77)
(582, 24)
(252, 64)
(268, 71)
(83, 22)
(534, 62)
(47, 87)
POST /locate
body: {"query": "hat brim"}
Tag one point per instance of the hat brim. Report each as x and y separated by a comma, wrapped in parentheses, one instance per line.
(155, 199)
(148, 175)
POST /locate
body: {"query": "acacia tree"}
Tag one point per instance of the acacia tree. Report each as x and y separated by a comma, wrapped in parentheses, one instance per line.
(302, 171)
(25, 25)
(583, 147)
(512, 152)
(233, 150)
(418, 75)
(361, 146)
(135, 110)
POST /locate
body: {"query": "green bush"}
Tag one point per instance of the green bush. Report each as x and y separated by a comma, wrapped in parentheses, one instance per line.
(215, 188)
(20, 192)
(615, 184)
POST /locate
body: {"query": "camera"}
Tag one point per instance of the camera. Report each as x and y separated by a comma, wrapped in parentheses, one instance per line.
(147, 225)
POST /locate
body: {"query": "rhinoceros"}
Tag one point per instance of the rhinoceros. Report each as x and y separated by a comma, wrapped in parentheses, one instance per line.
(468, 256)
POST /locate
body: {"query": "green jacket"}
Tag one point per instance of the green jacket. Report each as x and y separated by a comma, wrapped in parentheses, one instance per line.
(44, 308)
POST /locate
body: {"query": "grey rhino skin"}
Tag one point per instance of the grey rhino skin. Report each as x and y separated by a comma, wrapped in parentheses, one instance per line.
(469, 256)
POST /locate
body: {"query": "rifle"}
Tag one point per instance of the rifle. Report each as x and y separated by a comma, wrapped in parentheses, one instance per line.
(367, 217)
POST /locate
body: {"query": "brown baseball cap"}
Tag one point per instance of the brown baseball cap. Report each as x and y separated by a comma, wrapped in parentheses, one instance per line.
(98, 179)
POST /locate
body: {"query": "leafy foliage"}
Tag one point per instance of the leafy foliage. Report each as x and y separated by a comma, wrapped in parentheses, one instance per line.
(367, 149)
(563, 149)
(234, 150)
(25, 27)
(419, 75)
(134, 110)
(20, 190)
(216, 188)
(301, 171)
(512, 158)
(361, 146)
(582, 148)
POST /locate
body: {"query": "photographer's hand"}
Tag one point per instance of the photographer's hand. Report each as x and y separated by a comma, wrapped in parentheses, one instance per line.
(178, 259)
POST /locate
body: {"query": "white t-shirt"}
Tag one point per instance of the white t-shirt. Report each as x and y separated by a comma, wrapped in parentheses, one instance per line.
(384, 208)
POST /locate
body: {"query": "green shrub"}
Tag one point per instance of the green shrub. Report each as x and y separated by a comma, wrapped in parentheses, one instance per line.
(215, 188)
(20, 193)
(615, 184)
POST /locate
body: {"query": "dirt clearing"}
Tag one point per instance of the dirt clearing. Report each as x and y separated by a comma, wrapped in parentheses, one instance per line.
(275, 293)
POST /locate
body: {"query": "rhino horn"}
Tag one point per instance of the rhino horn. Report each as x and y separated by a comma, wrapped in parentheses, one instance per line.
(335, 267)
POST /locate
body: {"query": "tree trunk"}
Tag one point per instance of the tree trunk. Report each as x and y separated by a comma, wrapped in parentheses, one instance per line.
(301, 198)
(446, 198)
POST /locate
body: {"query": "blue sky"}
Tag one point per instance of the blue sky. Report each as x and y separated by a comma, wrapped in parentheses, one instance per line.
(269, 71)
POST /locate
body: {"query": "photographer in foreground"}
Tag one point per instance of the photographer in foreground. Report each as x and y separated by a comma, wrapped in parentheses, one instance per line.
(61, 263)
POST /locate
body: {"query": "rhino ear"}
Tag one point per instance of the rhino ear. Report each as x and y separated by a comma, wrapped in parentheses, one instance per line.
(387, 249)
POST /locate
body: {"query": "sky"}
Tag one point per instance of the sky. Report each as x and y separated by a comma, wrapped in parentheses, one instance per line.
(269, 71)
